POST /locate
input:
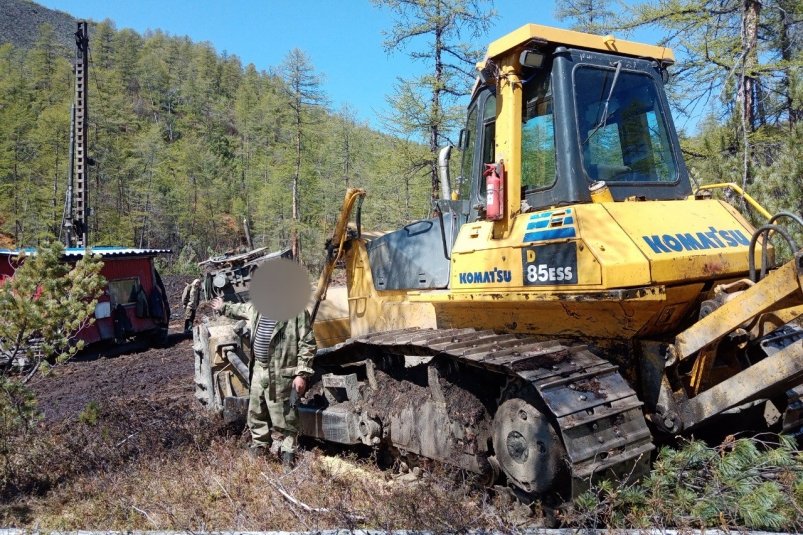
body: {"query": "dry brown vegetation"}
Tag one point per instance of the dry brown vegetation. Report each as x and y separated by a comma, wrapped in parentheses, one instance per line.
(123, 445)
(181, 472)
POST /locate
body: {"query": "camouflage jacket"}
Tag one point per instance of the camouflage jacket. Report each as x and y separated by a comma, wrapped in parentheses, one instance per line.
(291, 349)
(191, 294)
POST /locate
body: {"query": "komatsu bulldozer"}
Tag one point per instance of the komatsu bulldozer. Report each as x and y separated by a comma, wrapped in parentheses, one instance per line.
(571, 301)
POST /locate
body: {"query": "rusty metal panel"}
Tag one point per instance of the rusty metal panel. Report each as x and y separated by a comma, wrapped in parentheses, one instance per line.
(771, 293)
(768, 378)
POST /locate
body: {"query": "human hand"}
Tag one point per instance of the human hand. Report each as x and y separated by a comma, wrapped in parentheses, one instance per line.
(217, 304)
(300, 385)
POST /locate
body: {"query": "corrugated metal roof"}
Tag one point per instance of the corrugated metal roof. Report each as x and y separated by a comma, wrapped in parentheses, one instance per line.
(77, 252)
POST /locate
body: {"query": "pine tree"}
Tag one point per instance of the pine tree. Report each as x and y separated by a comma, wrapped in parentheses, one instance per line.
(742, 60)
(591, 16)
(424, 106)
(49, 300)
(304, 93)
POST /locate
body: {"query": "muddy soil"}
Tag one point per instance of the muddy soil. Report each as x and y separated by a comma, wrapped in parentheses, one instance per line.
(109, 375)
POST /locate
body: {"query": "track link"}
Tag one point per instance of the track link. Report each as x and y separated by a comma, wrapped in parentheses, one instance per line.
(598, 416)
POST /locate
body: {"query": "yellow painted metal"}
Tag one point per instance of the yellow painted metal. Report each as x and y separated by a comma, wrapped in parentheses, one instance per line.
(701, 370)
(528, 33)
(605, 314)
(353, 195)
(600, 192)
(780, 289)
(623, 286)
(651, 294)
(678, 304)
(332, 321)
(619, 245)
(508, 142)
(775, 373)
(738, 189)
(620, 261)
(685, 240)
(372, 311)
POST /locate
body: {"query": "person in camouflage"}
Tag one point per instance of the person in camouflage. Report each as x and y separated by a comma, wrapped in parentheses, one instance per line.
(282, 360)
(189, 300)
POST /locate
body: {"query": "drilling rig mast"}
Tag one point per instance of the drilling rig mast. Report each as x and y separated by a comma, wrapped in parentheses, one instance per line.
(76, 220)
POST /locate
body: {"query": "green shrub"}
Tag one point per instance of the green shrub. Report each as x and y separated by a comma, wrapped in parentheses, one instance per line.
(743, 483)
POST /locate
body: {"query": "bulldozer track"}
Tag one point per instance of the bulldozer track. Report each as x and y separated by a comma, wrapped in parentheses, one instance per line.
(598, 416)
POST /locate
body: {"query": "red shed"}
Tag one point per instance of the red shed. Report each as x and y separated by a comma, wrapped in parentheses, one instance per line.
(134, 301)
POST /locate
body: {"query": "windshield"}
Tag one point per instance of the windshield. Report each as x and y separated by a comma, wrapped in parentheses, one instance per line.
(621, 127)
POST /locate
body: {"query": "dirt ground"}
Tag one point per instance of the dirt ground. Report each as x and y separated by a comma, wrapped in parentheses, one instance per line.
(134, 372)
(124, 445)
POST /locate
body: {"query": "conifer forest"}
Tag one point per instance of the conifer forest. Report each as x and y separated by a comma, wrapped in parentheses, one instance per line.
(188, 142)
(192, 150)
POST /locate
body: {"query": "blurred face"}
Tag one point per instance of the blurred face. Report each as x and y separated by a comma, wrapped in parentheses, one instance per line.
(280, 289)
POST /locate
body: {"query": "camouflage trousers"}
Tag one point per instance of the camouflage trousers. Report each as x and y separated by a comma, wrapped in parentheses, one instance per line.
(266, 418)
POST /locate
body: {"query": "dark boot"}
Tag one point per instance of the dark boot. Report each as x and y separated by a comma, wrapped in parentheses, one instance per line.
(187, 326)
(288, 461)
(257, 451)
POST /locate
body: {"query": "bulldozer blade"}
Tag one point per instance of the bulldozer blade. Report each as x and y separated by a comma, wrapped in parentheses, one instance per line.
(778, 290)
(768, 378)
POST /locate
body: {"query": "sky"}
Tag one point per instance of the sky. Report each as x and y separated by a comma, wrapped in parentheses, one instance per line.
(343, 38)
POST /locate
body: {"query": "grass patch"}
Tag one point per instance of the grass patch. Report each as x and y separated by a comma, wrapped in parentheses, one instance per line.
(147, 465)
(143, 466)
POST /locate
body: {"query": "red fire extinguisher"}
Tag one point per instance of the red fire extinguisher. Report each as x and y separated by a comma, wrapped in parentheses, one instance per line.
(494, 194)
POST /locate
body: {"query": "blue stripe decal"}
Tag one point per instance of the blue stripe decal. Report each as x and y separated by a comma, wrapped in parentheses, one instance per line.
(552, 234)
(568, 221)
(538, 223)
(542, 215)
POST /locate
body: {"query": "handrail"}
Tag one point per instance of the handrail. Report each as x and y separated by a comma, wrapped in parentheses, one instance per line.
(738, 189)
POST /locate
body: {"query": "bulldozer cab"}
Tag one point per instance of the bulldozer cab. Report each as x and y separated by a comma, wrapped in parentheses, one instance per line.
(563, 110)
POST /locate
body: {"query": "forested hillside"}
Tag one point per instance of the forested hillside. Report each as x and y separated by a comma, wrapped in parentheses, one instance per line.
(187, 143)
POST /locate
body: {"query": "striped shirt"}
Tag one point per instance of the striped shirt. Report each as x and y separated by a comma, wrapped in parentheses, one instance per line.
(264, 332)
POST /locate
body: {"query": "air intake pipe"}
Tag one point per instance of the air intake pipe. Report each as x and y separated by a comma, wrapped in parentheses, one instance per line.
(443, 172)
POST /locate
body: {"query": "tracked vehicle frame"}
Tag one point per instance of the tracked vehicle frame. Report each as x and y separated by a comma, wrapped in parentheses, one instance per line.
(571, 300)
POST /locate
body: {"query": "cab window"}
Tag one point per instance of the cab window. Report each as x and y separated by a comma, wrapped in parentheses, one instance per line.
(469, 141)
(123, 291)
(537, 135)
(622, 130)
(488, 138)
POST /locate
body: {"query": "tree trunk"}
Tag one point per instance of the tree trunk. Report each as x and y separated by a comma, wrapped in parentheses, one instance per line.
(748, 82)
(785, 46)
(295, 244)
(436, 104)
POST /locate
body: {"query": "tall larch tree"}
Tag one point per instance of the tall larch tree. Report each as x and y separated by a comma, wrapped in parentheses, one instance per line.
(304, 94)
(735, 56)
(592, 16)
(436, 32)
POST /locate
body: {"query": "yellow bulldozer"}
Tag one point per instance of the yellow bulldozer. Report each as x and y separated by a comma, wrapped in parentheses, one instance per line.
(571, 301)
